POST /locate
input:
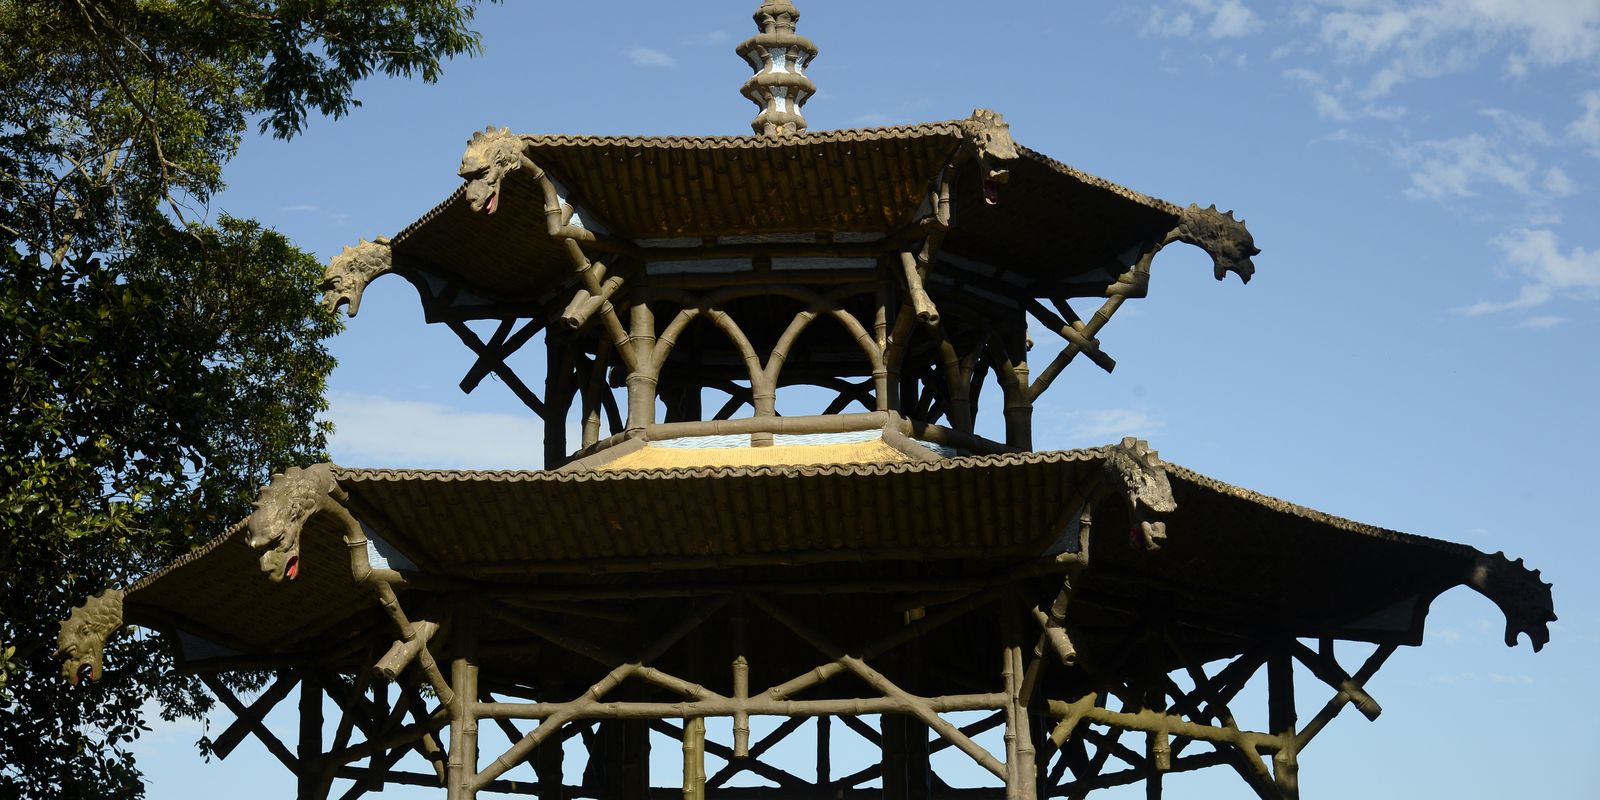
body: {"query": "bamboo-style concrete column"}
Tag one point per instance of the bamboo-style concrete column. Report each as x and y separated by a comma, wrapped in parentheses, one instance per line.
(547, 765)
(594, 392)
(1157, 743)
(309, 750)
(376, 769)
(625, 746)
(558, 394)
(694, 759)
(824, 756)
(641, 380)
(1282, 720)
(463, 760)
(741, 684)
(885, 383)
(1018, 405)
(1021, 772)
(892, 741)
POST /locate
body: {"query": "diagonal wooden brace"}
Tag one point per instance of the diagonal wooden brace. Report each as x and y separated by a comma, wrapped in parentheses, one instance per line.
(1328, 671)
(1054, 624)
(253, 723)
(1077, 339)
(499, 347)
(912, 704)
(591, 698)
(246, 718)
(495, 362)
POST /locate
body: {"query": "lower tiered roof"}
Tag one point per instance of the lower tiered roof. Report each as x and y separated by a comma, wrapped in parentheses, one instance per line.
(1239, 561)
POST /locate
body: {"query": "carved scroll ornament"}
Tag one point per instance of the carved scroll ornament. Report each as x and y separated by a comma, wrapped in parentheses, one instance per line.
(1520, 593)
(1138, 472)
(82, 642)
(349, 273)
(281, 513)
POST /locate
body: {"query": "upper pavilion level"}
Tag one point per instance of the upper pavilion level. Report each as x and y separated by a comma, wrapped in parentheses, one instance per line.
(682, 284)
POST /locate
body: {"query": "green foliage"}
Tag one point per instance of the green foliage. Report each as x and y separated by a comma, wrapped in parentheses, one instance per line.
(157, 368)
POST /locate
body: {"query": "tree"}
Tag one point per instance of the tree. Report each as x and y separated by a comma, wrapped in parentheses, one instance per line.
(158, 365)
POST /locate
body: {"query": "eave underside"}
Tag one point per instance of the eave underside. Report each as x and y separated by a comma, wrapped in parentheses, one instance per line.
(1236, 563)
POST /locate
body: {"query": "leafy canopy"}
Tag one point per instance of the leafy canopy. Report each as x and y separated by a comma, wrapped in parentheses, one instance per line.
(159, 363)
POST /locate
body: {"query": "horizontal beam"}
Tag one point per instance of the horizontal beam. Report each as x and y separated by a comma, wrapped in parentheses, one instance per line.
(423, 779)
(837, 423)
(603, 566)
(1157, 722)
(755, 706)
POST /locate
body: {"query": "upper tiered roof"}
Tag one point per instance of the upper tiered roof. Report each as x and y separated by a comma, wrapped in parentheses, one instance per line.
(1048, 230)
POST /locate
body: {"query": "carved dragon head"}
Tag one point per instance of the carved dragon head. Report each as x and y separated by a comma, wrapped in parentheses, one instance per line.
(82, 642)
(491, 155)
(1224, 238)
(1136, 471)
(992, 142)
(349, 273)
(1522, 596)
(281, 513)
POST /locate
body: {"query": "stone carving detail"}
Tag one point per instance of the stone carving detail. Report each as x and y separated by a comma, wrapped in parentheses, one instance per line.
(1522, 596)
(1224, 238)
(82, 643)
(281, 513)
(1138, 472)
(349, 273)
(991, 139)
(491, 155)
(779, 57)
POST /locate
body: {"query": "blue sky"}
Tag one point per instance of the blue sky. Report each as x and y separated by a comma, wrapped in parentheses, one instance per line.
(1415, 351)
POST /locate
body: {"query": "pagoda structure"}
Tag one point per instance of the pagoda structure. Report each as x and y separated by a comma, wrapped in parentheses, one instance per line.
(782, 515)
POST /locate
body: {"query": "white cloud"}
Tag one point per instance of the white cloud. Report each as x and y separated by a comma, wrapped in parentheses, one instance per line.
(650, 57)
(1330, 107)
(1111, 424)
(1446, 635)
(1548, 272)
(1222, 19)
(1411, 40)
(1452, 168)
(1446, 168)
(1163, 22)
(177, 735)
(377, 431)
(1586, 128)
(1557, 183)
(1331, 103)
(1481, 677)
(1522, 129)
(339, 218)
(1540, 322)
(1229, 18)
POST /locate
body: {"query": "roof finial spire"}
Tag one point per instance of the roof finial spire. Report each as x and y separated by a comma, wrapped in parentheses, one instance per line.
(779, 56)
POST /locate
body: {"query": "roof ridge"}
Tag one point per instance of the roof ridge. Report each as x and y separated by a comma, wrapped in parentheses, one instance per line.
(193, 555)
(747, 140)
(764, 470)
(1306, 512)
